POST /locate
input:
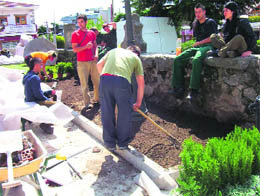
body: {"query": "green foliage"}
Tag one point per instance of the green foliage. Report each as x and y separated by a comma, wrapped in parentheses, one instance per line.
(181, 10)
(56, 26)
(254, 18)
(206, 170)
(68, 68)
(60, 67)
(250, 188)
(98, 24)
(65, 67)
(60, 41)
(188, 44)
(49, 71)
(22, 66)
(257, 48)
(42, 30)
(252, 140)
(119, 16)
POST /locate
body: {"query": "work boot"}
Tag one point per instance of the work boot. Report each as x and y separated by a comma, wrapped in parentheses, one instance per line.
(178, 92)
(222, 53)
(193, 95)
(123, 148)
(47, 128)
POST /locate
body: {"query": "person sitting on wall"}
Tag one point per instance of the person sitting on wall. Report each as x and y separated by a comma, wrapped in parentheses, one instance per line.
(33, 91)
(203, 27)
(45, 56)
(238, 36)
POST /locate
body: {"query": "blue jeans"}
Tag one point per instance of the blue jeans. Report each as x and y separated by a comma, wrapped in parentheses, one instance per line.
(116, 90)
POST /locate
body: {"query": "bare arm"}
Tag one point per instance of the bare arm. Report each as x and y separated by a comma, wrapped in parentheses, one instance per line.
(113, 24)
(96, 50)
(44, 70)
(140, 91)
(100, 65)
(204, 41)
(77, 48)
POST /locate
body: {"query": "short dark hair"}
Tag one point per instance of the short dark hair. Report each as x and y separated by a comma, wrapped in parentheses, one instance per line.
(30, 61)
(199, 5)
(93, 29)
(135, 49)
(105, 25)
(82, 16)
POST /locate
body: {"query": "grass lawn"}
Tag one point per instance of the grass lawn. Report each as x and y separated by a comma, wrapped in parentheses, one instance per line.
(25, 68)
(22, 66)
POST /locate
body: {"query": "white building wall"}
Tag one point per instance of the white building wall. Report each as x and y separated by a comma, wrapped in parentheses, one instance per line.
(159, 36)
(11, 19)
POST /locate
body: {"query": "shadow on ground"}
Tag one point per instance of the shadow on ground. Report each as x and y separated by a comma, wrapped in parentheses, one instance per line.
(201, 126)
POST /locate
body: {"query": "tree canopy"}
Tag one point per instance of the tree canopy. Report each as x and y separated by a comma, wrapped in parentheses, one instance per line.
(183, 10)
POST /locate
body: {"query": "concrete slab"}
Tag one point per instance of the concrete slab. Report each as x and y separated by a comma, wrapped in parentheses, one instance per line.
(157, 173)
(103, 172)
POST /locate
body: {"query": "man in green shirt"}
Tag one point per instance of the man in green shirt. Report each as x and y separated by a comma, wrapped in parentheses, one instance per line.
(116, 69)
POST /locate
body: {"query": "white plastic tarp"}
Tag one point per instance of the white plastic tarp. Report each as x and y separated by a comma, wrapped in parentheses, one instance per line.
(13, 107)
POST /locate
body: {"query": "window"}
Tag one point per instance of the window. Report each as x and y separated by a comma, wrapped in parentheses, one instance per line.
(20, 20)
(3, 20)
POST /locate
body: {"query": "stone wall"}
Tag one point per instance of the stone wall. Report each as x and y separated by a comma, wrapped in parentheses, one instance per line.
(67, 56)
(228, 85)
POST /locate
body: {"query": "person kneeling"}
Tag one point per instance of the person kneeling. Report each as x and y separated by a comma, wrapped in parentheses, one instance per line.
(33, 91)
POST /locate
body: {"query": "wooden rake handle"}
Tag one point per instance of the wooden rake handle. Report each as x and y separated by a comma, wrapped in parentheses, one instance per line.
(154, 123)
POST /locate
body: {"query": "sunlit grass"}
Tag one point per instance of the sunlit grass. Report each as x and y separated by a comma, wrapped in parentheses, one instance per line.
(22, 66)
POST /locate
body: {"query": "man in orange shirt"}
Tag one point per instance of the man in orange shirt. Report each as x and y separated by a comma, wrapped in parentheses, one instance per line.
(44, 56)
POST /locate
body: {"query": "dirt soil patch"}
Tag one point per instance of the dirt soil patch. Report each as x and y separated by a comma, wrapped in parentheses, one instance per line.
(148, 139)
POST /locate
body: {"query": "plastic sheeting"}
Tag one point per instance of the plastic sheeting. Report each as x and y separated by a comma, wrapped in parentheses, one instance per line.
(13, 107)
(4, 60)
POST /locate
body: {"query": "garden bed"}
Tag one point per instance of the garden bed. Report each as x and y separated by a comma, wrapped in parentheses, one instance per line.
(149, 140)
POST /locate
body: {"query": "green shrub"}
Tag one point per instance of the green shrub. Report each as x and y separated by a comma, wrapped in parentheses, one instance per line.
(119, 16)
(49, 70)
(207, 170)
(257, 48)
(60, 41)
(254, 18)
(68, 68)
(60, 67)
(250, 188)
(252, 140)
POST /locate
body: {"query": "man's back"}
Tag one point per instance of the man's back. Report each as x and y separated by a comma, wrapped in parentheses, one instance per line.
(122, 62)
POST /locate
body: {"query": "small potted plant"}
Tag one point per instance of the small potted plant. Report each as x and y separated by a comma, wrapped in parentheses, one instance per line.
(50, 73)
(68, 69)
(60, 71)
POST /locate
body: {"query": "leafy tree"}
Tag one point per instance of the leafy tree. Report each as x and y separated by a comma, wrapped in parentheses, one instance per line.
(98, 24)
(119, 16)
(42, 30)
(57, 27)
(183, 10)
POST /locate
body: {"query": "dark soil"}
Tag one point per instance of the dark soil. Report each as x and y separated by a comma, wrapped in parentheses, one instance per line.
(148, 139)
